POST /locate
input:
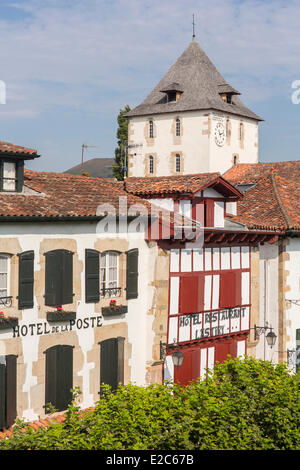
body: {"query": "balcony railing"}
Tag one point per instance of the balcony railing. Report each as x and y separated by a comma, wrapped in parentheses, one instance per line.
(5, 301)
(111, 292)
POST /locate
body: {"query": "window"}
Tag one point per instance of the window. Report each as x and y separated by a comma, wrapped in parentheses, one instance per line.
(9, 176)
(151, 164)
(177, 127)
(151, 135)
(109, 274)
(235, 159)
(4, 278)
(59, 376)
(241, 131)
(59, 277)
(177, 163)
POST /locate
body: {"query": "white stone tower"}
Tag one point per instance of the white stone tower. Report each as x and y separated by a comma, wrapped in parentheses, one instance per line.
(192, 122)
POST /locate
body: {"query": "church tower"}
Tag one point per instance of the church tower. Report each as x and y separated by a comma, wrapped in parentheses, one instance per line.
(192, 122)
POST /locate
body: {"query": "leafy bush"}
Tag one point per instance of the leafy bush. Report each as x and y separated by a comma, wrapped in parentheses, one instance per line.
(245, 404)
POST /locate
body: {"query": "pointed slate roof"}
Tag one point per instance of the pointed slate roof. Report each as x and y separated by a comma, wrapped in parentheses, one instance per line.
(200, 82)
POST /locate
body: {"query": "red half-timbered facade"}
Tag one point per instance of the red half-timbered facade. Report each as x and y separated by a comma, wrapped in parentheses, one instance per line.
(209, 306)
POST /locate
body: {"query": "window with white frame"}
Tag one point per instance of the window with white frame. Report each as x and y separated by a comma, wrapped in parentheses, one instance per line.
(109, 274)
(4, 276)
(9, 176)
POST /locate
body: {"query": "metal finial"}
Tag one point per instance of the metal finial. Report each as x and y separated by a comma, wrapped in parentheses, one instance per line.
(194, 26)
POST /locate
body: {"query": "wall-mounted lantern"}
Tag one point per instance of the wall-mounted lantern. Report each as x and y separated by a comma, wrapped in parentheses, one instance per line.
(270, 337)
(177, 356)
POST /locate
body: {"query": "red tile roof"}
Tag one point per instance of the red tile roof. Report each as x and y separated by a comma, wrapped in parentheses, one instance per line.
(64, 195)
(178, 184)
(8, 148)
(274, 201)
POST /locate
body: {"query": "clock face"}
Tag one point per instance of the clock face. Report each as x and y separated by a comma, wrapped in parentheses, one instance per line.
(220, 134)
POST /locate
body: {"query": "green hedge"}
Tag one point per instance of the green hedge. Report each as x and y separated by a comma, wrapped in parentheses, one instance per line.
(245, 404)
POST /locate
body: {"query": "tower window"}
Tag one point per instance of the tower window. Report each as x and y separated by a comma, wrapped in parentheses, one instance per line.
(241, 132)
(177, 164)
(177, 127)
(151, 129)
(151, 164)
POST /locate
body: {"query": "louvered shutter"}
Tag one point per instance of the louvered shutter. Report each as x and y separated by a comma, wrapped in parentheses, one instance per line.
(132, 274)
(26, 279)
(59, 376)
(64, 376)
(2, 393)
(112, 362)
(53, 278)
(50, 379)
(11, 389)
(59, 277)
(92, 272)
(67, 278)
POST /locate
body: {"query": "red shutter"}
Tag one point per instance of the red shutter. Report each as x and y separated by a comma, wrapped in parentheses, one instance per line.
(209, 213)
(230, 289)
(191, 294)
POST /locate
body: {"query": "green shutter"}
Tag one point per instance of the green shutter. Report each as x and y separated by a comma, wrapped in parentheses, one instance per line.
(92, 271)
(298, 350)
(11, 389)
(2, 392)
(132, 274)
(112, 362)
(50, 377)
(59, 277)
(20, 176)
(59, 376)
(67, 278)
(53, 278)
(26, 279)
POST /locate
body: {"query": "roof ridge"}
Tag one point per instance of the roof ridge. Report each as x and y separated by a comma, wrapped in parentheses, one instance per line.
(279, 201)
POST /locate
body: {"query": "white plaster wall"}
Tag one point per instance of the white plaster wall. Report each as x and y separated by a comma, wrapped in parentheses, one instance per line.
(292, 266)
(199, 150)
(165, 203)
(194, 144)
(221, 158)
(140, 334)
(268, 273)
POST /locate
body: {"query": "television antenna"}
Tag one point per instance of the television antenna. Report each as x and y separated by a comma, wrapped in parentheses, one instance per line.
(83, 147)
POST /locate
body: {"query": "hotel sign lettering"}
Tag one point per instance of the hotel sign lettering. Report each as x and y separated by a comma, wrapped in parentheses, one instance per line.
(205, 325)
(44, 328)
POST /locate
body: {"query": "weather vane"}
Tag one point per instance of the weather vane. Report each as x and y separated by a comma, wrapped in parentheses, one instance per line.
(193, 26)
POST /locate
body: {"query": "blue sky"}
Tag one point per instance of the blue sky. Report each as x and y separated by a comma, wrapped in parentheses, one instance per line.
(70, 65)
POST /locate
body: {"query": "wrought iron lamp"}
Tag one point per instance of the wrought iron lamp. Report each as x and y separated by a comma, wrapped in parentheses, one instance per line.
(270, 337)
(177, 356)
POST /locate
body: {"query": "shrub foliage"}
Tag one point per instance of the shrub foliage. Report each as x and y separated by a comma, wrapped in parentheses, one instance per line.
(244, 404)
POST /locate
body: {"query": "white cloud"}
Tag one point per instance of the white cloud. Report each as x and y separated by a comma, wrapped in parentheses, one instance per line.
(99, 54)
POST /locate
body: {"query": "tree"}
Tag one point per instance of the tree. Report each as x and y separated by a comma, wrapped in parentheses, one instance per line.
(121, 150)
(242, 405)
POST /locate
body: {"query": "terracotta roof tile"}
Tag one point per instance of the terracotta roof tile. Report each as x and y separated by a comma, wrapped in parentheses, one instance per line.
(8, 148)
(155, 185)
(274, 200)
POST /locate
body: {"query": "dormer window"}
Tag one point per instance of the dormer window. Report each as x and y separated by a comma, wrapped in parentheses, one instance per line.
(226, 92)
(11, 175)
(173, 92)
(12, 159)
